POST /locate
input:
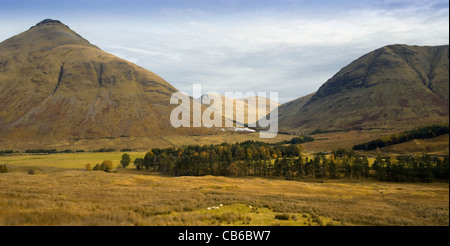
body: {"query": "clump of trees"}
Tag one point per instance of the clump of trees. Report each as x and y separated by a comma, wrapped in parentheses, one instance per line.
(128, 150)
(302, 139)
(106, 166)
(424, 168)
(298, 140)
(247, 158)
(261, 159)
(104, 150)
(419, 133)
(51, 151)
(139, 163)
(6, 152)
(41, 151)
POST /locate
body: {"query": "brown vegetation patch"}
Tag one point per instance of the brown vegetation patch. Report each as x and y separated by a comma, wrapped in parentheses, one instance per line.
(78, 197)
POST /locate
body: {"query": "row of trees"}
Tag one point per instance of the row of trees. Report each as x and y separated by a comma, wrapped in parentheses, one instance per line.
(54, 151)
(419, 133)
(261, 159)
(411, 168)
(7, 152)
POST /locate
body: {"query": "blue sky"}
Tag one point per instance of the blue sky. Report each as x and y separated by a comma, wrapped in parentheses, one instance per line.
(286, 46)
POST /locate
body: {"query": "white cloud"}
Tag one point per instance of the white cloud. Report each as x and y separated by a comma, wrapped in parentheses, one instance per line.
(292, 51)
(291, 56)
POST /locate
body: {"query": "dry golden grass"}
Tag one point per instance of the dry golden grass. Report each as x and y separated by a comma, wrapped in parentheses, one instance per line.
(334, 140)
(345, 139)
(436, 146)
(62, 193)
(138, 143)
(225, 137)
(323, 142)
(56, 196)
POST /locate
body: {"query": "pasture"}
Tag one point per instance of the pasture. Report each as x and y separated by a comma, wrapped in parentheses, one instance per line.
(62, 192)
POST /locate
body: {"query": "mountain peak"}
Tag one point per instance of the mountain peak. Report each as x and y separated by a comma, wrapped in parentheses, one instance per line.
(56, 85)
(45, 35)
(49, 22)
(391, 87)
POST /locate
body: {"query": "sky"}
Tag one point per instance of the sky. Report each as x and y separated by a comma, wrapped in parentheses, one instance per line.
(287, 46)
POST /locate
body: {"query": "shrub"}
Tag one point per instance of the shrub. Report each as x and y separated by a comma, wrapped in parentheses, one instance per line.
(3, 168)
(282, 216)
(30, 172)
(106, 166)
(128, 150)
(5, 152)
(302, 139)
(125, 160)
(104, 150)
(88, 167)
(40, 151)
(139, 162)
(96, 167)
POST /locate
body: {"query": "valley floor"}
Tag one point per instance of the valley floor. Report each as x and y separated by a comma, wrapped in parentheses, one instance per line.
(62, 192)
(73, 196)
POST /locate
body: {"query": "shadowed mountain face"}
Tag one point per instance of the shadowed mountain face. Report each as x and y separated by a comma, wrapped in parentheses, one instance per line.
(55, 84)
(391, 87)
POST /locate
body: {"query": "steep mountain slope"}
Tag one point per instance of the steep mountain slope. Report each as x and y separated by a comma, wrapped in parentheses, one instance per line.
(392, 87)
(286, 110)
(55, 84)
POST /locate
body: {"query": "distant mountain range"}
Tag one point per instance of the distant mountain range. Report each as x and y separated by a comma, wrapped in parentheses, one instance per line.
(397, 86)
(55, 84)
(247, 107)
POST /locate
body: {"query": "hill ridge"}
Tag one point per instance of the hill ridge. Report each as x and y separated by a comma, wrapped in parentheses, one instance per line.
(54, 84)
(393, 84)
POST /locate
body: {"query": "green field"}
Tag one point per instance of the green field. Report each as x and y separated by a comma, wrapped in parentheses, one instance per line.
(67, 160)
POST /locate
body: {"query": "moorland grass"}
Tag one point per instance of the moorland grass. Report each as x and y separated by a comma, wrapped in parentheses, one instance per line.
(61, 196)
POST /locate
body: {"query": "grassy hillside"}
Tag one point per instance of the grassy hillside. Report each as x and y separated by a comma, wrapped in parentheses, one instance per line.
(56, 85)
(287, 111)
(398, 138)
(396, 86)
(433, 146)
(138, 143)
